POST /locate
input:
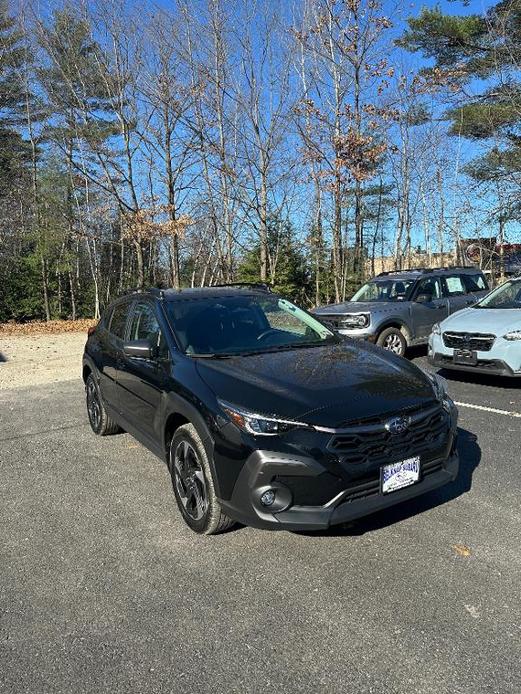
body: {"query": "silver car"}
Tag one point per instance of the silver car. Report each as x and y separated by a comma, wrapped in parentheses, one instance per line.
(398, 309)
(485, 338)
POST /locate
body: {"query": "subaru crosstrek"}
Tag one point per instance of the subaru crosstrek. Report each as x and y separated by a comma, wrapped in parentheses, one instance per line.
(485, 338)
(263, 414)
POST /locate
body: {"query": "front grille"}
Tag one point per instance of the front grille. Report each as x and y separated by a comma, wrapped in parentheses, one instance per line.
(479, 342)
(372, 443)
(332, 320)
(316, 491)
(319, 490)
(371, 487)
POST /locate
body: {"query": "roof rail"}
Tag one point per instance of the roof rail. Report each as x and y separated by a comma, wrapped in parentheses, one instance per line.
(409, 269)
(263, 286)
(426, 270)
(156, 291)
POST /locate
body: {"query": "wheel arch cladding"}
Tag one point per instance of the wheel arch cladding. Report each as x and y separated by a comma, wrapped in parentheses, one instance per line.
(399, 325)
(172, 424)
(184, 413)
(86, 372)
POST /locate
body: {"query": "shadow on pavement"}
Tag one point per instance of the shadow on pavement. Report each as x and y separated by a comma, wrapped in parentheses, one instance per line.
(470, 457)
(2, 357)
(480, 379)
(416, 352)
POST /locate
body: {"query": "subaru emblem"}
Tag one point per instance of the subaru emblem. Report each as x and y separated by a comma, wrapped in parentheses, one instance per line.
(397, 425)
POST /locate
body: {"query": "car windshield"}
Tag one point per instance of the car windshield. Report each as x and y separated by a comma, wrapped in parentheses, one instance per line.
(241, 324)
(384, 290)
(507, 295)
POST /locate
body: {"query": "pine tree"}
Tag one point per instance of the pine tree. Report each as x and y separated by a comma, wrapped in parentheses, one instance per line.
(483, 51)
(13, 57)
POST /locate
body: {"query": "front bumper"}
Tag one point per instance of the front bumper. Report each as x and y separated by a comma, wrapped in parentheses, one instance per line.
(263, 469)
(359, 334)
(504, 359)
(494, 367)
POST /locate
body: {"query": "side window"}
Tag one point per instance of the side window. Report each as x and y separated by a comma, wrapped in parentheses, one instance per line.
(475, 283)
(454, 285)
(144, 326)
(430, 286)
(118, 320)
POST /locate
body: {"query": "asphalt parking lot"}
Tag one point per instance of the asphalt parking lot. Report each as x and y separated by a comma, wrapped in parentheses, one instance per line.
(103, 589)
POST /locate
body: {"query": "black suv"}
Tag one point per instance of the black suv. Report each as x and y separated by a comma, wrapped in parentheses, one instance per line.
(262, 413)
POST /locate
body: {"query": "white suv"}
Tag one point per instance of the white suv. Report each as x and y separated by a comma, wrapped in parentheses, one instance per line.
(485, 337)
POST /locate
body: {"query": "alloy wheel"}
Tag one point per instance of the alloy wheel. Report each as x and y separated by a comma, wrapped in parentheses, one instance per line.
(189, 481)
(93, 405)
(393, 344)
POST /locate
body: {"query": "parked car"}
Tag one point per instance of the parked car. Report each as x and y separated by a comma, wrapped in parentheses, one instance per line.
(485, 338)
(398, 309)
(263, 414)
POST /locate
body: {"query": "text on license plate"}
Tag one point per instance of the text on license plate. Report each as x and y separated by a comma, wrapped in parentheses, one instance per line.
(399, 475)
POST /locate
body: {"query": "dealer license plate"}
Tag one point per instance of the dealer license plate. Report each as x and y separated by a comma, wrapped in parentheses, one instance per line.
(465, 357)
(399, 475)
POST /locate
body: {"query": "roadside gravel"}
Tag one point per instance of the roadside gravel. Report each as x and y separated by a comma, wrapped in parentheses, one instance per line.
(40, 359)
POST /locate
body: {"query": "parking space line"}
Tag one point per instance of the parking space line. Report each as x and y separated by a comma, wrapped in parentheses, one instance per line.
(494, 410)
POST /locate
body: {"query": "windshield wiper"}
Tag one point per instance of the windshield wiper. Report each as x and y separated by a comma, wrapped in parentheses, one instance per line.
(282, 348)
(209, 355)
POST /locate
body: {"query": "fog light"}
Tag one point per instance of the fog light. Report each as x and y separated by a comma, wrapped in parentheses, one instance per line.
(268, 498)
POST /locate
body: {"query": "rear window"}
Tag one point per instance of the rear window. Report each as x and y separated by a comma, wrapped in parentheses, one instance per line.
(118, 320)
(475, 283)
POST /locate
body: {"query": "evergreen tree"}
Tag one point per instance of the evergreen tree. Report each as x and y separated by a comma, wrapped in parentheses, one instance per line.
(13, 97)
(483, 51)
(289, 274)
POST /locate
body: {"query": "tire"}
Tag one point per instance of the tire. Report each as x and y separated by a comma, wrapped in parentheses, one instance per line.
(392, 340)
(193, 484)
(100, 422)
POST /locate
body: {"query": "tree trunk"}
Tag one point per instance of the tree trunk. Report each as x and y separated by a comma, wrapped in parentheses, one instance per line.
(337, 238)
(263, 231)
(140, 264)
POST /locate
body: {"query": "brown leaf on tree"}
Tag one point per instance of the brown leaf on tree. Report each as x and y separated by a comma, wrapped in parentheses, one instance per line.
(146, 224)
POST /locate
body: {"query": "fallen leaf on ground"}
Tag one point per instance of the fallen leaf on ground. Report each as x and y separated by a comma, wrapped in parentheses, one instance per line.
(53, 327)
(462, 550)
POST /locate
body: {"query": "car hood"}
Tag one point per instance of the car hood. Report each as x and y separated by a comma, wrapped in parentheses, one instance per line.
(357, 307)
(484, 320)
(326, 386)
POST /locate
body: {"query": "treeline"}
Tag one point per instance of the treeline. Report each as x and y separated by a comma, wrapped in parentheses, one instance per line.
(216, 140)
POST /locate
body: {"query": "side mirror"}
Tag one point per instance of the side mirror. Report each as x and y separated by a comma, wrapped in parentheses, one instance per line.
(140, 349)
(423, 299)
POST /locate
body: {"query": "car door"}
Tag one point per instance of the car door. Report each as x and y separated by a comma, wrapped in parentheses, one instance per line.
(141, 381)
(455, 290)
(426, 314)
(112, 348)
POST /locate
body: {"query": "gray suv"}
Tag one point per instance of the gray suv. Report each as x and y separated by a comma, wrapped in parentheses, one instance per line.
(398, 309)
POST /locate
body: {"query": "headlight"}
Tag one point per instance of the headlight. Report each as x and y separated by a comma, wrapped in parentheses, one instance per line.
(436, 330)
(439, 385)
(257, 424)
(355, 320)
(514, 335)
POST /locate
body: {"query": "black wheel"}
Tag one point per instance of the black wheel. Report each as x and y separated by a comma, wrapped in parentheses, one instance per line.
(100, 422)
(393, 340)
(193, 484)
